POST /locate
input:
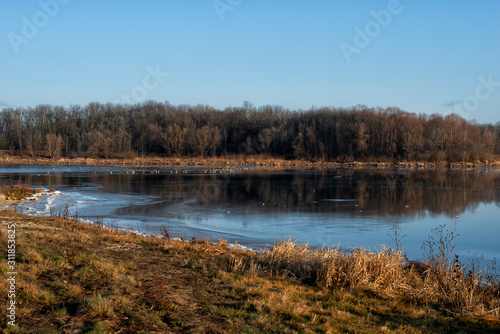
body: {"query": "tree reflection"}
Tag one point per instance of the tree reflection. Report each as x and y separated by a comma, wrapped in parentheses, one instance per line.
(354, 192)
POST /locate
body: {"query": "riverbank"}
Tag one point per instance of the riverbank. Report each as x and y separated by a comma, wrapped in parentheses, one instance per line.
(74, 277)
(9, 195)
(232, 161)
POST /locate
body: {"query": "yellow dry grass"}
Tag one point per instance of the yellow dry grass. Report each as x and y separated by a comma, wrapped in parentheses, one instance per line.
(455, 289)
(75, 277)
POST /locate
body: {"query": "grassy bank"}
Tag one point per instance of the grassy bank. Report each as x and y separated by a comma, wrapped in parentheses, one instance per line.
(17, 192)
(239, 161)
(74, 277)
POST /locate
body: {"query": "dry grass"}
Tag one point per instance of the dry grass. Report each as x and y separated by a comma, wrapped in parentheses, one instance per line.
(99, 306)
(454, 288)
(17, 192)
(74, 277)
(235, 160)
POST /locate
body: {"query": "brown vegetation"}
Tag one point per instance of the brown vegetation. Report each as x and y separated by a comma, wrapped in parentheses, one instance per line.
(453, 288)
(326, 134)
(74, 277)
(17, 192)
(239, 161)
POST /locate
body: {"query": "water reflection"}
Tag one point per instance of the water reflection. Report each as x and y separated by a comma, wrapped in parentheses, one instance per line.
(350, 207)
(364, 193)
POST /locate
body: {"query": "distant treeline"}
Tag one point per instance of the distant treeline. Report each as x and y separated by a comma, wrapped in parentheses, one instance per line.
(333, 134)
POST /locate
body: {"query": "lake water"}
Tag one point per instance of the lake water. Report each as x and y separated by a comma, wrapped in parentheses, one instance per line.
(346, 208)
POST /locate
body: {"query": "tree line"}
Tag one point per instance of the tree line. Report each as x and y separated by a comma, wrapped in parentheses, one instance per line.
(319, 134)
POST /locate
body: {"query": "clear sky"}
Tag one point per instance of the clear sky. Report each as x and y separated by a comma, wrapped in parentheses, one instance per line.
(421, 56)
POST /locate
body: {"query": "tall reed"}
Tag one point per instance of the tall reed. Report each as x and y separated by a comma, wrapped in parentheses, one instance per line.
(446, 285)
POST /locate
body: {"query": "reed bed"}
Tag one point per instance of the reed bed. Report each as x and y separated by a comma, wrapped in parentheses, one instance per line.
(453, 288)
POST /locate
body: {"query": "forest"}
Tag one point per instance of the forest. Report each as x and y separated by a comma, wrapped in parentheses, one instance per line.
(319, 134)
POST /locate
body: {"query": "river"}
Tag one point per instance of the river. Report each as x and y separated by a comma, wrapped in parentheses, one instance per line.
(334, 208)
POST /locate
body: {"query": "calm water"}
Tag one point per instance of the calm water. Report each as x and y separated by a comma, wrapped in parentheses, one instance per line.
(346, 208)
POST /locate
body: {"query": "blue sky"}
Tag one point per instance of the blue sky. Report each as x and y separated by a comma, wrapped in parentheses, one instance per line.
(424, 56)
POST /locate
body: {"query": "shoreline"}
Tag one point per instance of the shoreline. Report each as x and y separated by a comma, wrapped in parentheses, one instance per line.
(8, 204)
(75, 274)
(242, 161)
(239, 241)
(90, 277)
